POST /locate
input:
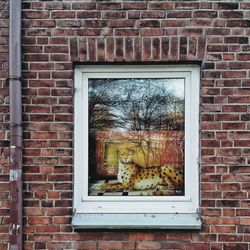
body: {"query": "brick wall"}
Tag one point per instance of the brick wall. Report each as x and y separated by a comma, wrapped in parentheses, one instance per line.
(57, 34)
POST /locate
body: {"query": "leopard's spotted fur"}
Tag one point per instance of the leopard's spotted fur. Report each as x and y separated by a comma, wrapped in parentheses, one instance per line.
(133, 177)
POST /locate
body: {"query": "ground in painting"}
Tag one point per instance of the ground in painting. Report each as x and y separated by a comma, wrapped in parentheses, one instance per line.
(96, 190)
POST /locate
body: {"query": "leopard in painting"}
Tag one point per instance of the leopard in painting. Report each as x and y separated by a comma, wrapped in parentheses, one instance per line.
(134, 177)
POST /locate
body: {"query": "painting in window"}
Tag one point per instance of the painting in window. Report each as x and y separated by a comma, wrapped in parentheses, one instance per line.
(136, 137)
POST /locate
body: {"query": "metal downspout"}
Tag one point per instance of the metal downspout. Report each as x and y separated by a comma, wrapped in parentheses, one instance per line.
(15, 242)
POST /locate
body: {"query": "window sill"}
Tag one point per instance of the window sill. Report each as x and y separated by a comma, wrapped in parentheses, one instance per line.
(136, 221)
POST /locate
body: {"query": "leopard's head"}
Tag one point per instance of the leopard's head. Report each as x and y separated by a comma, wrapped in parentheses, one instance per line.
(126, 155)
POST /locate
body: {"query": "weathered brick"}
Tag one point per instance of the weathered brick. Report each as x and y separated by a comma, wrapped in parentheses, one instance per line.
(147, 52)
(134, 6)
(238, 23)
(109, 6)
(178, 14)
(186, 5)
(119, 51)
(153, 14)
(161, 5)
(151, 32)
(147, 24)
(205, 14)
(173, 23)
(36, 14)
(148, 245)
(129, 49)
(62, 14)
(126, 32)
(231, 14)
(227, 6)
(229, 246)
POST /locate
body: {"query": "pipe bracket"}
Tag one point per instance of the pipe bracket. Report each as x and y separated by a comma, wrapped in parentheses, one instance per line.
(15, 174)
(14, 229)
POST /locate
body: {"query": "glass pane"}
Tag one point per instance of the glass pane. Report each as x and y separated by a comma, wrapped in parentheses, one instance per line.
(136, 137)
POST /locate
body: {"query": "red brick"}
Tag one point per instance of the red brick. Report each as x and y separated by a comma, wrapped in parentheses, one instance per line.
(174, 49)
(39, 220)
(92, 49)
(133, 14)
(147, 49)
(181, 236)
(234, 195)
(62, 14)
(106, 245)
(165, 49)
(151, 32)
(147, 24)
(84, 245)
(226, 6)
(119, 51)
(231, 238)
(83, 5)
(183, 48)
(200, 22)
(148, 245)
(59, 245)
(42, 66)
(110, 49)
(43, 23)
(129, 49)
(156, 49)
(134, 5)
(243, 56)
(186, 5)
(101, 50)
(161, 5)
(82, 50)
(241, 99)
(174, 245)
(135, 236)
(234, 74)
(126, 32)
(178, 14)
(138, 49)
(121, 23)
(173, 23)
(153, 14)
(238, 40)
(238, 23)
(109, 6)
(114, 15)
(50, 229)
(240, 246)
(205, 14)
(198, 246)
(36, 14)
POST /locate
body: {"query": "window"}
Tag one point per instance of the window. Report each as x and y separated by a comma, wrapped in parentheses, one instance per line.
(136, 146)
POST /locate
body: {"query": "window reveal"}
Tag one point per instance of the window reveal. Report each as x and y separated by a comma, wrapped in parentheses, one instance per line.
(136, 146)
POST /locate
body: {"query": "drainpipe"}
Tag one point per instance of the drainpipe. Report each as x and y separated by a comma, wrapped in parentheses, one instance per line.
(15, 242)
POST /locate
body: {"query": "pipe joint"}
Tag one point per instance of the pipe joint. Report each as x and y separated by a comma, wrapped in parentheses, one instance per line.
(14, 78)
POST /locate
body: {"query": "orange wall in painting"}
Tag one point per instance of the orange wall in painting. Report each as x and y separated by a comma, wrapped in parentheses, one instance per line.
(152, 148)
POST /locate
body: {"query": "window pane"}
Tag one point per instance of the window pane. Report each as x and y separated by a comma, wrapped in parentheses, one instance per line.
(136, 137)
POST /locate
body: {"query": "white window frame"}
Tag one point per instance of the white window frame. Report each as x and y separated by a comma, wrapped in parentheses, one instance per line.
(168, 211)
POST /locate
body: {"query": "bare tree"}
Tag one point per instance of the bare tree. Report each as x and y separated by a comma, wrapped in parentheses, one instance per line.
(135, 105)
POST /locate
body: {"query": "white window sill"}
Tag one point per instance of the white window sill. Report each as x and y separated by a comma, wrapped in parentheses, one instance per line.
(136, 221)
